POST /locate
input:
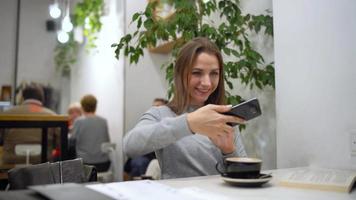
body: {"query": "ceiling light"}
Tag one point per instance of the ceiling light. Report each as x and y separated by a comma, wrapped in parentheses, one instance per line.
(62, 37)
(67, 25)
(54, 10)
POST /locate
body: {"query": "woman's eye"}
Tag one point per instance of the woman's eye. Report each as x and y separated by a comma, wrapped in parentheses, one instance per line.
(215, 73)
(196, 73)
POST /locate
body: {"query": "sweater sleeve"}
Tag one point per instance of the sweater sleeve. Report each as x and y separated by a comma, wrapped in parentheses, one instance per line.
(154, 132)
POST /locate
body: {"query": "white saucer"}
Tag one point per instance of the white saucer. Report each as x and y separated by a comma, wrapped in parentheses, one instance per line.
(253, 182)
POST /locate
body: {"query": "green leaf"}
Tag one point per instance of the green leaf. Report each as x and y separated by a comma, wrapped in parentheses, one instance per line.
(148, 24)
(221, 4)
(227, 51)
(235, 53)
(229, 84)
(139, 23)
(135, 16)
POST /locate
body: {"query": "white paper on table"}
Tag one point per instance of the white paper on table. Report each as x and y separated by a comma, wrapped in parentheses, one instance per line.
(150, 190)
(200, 194)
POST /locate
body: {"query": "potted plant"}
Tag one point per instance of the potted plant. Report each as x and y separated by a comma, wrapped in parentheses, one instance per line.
(195, 18)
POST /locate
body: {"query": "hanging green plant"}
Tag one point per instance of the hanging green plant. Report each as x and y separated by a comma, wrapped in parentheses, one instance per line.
(65, 55)
(87, 16)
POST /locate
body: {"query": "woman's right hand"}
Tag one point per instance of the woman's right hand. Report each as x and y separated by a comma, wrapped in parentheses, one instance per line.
(209, 121)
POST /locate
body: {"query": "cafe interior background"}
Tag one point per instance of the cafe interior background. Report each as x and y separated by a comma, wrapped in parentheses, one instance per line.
(309, 119)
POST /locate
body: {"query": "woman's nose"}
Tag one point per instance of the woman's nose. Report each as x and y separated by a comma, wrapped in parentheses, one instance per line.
(205, 80)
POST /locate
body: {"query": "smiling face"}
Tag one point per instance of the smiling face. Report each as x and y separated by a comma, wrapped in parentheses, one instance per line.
(198, 76)
(204, 78)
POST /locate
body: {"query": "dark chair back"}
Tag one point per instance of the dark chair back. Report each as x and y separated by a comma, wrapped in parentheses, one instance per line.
(69, 171)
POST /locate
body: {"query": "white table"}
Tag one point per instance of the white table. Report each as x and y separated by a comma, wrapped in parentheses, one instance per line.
(209, 187)
(270, 190)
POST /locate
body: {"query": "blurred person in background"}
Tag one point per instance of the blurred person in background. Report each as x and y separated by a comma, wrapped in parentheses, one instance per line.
(89, 132)
(74, 111)
(33, 97)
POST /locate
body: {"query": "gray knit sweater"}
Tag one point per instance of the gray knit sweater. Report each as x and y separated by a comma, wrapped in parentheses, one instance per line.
(89, 133)
(180, 152)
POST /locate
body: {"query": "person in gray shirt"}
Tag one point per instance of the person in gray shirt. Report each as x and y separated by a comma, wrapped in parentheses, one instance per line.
(190, 135)
(89, 132)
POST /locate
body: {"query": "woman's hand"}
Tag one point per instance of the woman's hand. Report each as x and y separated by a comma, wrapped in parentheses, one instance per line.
(209, 121)
(225, 142)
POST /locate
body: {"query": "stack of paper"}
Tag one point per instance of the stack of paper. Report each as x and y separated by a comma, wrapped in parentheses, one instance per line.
(150, 190)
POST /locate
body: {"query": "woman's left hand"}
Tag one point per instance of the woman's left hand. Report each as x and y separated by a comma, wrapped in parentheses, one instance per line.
(225, 142)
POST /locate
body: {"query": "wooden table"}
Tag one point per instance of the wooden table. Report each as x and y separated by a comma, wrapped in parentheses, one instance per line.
(40, 121)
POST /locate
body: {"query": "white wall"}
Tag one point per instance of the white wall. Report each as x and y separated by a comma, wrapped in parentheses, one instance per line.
(315, 90)
(100, 74)
(35, 53)
(36, 44)
(260, 134)
(7, 40)
(144, 81)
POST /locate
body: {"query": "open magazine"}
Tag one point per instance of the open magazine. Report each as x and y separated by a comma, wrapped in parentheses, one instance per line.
(320, 178)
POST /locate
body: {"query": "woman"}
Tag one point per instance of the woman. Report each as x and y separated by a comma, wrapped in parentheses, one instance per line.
(190, 135)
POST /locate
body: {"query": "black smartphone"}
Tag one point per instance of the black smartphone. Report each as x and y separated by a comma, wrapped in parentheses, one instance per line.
(246, 110)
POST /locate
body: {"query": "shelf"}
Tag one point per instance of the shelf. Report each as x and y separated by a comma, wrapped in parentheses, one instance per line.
(163, 10)
(33, 118)
(163, 48)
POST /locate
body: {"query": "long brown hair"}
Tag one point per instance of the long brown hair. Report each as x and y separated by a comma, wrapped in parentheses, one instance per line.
(182, 73)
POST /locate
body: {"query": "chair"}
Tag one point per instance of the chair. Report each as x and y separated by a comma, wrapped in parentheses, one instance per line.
(27, 150)
(69, 171)
(153, 170)
(112, 174)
